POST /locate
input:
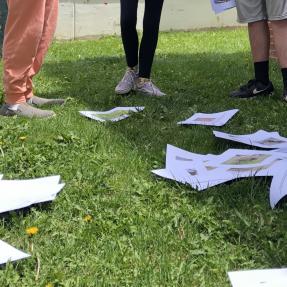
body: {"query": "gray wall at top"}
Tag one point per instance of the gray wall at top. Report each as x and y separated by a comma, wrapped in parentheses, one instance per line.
(90, 18)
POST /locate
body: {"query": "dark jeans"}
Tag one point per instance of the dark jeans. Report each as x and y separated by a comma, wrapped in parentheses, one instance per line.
(145, 54)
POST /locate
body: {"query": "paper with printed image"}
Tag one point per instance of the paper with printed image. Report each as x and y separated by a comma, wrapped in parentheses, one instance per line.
(113, 115)
(262, 139)
(23, 193)
(278, 188)
(259, 278)
(216, 119)
(10, 254)
(241, 158)
(177, 158)
(220, 6)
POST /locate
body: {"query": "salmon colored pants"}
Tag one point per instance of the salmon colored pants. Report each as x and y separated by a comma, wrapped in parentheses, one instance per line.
(29, 30)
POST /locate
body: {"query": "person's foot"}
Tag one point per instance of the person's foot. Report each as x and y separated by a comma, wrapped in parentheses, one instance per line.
(25, 110)
(147, 87)
(127, 83)
(285, 95)
(252, 89)
(39, 102)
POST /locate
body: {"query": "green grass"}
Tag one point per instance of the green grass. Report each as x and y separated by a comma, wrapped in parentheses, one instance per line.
(145, 231)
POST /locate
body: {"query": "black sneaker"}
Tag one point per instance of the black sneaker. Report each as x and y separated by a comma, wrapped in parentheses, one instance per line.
(285, 95)
(252, 89)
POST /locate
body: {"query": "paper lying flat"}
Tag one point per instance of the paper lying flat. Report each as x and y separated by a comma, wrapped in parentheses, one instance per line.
(217, 119)
(241, 158)
(278, 188)
(220, 6)
(259, 278)
(113, 115)
(262, 139)
(9, 253)
(23, 193)
(164, 173)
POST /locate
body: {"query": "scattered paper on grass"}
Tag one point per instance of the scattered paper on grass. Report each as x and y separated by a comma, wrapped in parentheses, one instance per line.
(217, 119)
(259, 278)
(113, 115)
(278, 188)
(17, 194)
(9, 253)
(206, 171)
(262, 139)
(220, 6)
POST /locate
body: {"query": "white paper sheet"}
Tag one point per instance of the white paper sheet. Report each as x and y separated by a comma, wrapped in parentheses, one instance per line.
(259, 278)
(113, 115)
(220, 6)
(164, 173)
(278, 188)
(9, 253)
(19, 194)
(217, 119)
(262, 139)
(241, 158)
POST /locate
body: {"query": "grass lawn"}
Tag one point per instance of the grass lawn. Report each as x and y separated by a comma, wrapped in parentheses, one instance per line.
(145, 231)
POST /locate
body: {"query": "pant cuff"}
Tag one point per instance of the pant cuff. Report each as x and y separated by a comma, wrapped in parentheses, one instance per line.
(13, 99)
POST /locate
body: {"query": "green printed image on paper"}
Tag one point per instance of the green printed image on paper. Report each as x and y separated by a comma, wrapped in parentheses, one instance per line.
(247, 159)
(112, 115)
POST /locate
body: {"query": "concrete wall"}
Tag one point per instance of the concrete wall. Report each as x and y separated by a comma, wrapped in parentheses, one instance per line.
(90, 18)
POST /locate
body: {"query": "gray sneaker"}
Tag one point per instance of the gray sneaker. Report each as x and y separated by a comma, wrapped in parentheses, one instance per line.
(25, 110)
(39, 102)
(149, 88)
(127, 83)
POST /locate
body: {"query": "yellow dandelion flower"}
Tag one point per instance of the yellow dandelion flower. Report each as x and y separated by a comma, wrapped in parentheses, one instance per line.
(88, 218)
(22, 138)
(49, 285)
(32, 230)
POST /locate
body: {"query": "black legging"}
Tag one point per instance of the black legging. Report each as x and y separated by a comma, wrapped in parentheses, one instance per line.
(151, 22)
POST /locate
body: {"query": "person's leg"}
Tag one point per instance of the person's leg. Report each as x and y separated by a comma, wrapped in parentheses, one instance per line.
(277, 14)
(255, 14)
(148, 46)
(131, 45)
(280, 37)
(260, 47)
(128, 30)
(23, 33)
(152, 16)
(50, 23)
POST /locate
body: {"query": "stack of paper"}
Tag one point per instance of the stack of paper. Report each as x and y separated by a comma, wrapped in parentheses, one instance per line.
(204, 171)
(217, 119)
(113, 115)
(9, 253)
(259, 278)
(16, 194)
(220, 6)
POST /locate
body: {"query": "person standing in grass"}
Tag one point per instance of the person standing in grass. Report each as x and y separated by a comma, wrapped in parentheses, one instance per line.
(139, 59)
(28, 33)
(257, 13)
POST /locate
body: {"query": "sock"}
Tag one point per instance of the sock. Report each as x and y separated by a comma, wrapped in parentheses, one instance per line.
(284, 74)
(262, 72)
(13, 107)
